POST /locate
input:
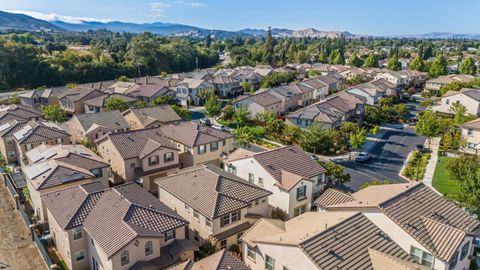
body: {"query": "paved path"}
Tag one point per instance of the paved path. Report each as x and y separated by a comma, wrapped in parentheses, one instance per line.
(432, 163)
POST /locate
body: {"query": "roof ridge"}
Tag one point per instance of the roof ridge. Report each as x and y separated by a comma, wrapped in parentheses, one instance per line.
(83, 203)
(151, 209)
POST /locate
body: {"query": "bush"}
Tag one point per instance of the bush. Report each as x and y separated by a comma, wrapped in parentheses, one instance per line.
(278, 213)
(235, 249)
(416, 165)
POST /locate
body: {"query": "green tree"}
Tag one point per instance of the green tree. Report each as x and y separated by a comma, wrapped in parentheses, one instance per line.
(371, 61)
(428, 125)
(265, 116)
(140, 104)
(468, 66)
(465, 170)
(212, 107)
(438, 67)
(275, 126)
(394, 64)
(357, 139)
(53, 113)
(241, 115)
(205, 94)
(354, 60)
(322, 58)
(268, 52)
(375, 130)
(244, 135)
(336, 57)
(162, 100)
(228, 112)
(417, 64)
(336, 172)
(14, 99)
(122, 78)
(116, 103)
(247, 88)
(185, 114)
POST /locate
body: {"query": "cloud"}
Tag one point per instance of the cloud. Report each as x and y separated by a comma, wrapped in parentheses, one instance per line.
(191, 4)
(56, 17)
(157, 9)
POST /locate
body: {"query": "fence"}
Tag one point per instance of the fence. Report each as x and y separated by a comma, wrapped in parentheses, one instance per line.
(41, 248)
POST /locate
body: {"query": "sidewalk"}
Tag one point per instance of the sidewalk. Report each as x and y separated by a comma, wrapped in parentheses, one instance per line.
(432, 163)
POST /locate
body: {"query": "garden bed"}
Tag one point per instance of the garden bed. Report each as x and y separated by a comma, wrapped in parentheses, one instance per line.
(416, 165)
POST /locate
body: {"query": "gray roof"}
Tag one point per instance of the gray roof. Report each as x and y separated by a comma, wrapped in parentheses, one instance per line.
(77, 93)
(100, 101)
(211, 191)
(221, 260)
(113, 217)
(149, 90)
(112, 120)
(163, 114)
(263, 98)
(131, 144)
(17, 112)
(193, 134)
(39, 131)
(472, 93)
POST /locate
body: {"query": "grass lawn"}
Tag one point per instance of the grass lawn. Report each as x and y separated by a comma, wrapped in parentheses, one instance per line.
(441, 180)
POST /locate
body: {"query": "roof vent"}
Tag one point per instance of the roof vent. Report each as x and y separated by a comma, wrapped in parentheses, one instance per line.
(150, 206)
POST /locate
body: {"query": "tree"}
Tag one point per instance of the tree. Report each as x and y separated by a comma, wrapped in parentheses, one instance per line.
(247, 88)
(417, 64)
(205, 94)
(264, 117)
(428, 125)
(53, 113)
(206, 249)
(278, 213)
(438, 67)
(292, 134)
(275, 126)
(244, 135)
(14, 99)
(394, 64)
(140, 104)
(122, 78)
(116, 103)
(468, 66)
(371, 61)
(318, 140)
(354, 60)
(162, 100)
(228, 112)
(336, 57)
(268, 53)
(375, 130)
(336, 172)
(182, 112)
(357, 139)
(212, 107)
(241, 115)
(465, 170)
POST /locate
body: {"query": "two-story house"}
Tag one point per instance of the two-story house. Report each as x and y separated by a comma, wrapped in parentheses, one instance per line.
(288, 172)
(199, 144)
(305, 94)
(471, 135)
(148, 92)
(21, 113)
(320, 89)
(90, 127)
(222, 259)
(226, 87)
(41, 97)
(259, 102)
(72, 100)
(219, 206)
(139, 118)
(123, 227)
(51, 168)
(98, 104)
(434, 231)
(468, 97)
(139, 155)
(433, 85)
(188, 91)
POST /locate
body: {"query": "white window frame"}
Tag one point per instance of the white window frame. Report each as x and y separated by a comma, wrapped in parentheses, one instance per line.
(75, 232)
(169, 235)
(77, 255)
(251, 254)
(124, 257)
(148, 248)
(269, 265)
(196, 215)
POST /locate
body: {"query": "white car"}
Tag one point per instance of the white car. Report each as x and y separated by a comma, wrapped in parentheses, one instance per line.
(363, 156)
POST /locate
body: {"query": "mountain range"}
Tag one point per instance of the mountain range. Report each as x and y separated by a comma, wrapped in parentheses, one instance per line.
(14, 21)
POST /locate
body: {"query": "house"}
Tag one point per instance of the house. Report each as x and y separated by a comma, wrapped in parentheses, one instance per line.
(91, 126)
(403, 78)
(35, 133)
(259, 102)
(139, 155)
(329, 113)
(41, 97)
(288, 172)
(471, 135)
(390, 89)
(20, 113)
(333, 82)
(219, 206)
(243, 75)
(149, 92)
(468, 97)
(434, 85)
(433, 230)
(122, 87)
(8, 148)
(199, 144)
(321, 90)
(188, 91)
(222, 259)
(72, 100)
(226, 87)
(51, 168)
(98, 104)
(139, 118)
(374, 90)
(122, 227)
(287, 95)
(305, 94)
(329, 240)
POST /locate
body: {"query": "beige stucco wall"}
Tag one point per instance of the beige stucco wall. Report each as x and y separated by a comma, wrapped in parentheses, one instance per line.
(7, 144)
(133, 121)
(193, 158)
(288, 256)
(472, 106)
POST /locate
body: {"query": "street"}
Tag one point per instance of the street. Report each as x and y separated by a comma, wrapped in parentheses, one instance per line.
(388, 158)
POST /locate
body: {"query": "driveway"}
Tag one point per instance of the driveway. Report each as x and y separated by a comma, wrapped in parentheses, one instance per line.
(388, 158)
(17, 250)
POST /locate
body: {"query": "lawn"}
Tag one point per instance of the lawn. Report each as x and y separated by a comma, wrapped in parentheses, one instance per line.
(441, 180)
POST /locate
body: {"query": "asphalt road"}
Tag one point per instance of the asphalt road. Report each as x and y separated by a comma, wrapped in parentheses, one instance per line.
(388, 158)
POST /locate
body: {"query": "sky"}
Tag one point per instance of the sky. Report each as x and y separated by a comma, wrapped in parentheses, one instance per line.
(369, 17)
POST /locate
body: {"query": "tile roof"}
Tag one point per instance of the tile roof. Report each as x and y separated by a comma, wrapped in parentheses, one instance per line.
(113, 217)
(221, 260)
(100, 101)
(210, 190)
(163, 114)
(130, 144)
(39, 131)
(193, 134)
(475, 124)
(17, 112)
(383, 261)
(332, 197)
(263, 98)
(148, 90)
(471, 93)
(112, 120)
(288, 165)
(170, 254)
(77, 93)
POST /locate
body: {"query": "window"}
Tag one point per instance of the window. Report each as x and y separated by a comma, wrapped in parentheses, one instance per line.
(187, 209)
(299, 210)
(260, 181)
(285, 268)
(80, 256)
(299, 121)
(170, 235)
(60, 140)
(223, 244)
(224, 142)
(320, 179)
(301, 193)
(453, 261)
(447, 101)
(9, 140)
(196, 216)
(167, 157)
(269, 262)
(97, 172)
(11, 154)
(421, 256)
(232, 169)
(230, 218)
(202, 149)
(153, 160)
(213, 146)
(251, 177)
(250, 253)
(239, 238)
(132, 165)
(77, 233)
(465, 251)
(148, 248)
(196, 238)
(187, 149)
(124, 257)
(208, 223)
(28, 147)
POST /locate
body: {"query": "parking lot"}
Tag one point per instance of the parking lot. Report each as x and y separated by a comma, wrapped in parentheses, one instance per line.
(388, 158)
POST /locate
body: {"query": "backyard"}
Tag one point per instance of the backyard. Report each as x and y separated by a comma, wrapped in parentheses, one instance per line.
(441, 180)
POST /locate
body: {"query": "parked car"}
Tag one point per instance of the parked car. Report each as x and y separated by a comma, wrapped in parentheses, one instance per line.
(363, 156)
(221, 127)
(314, 157)
(419, 147)
(205, 121)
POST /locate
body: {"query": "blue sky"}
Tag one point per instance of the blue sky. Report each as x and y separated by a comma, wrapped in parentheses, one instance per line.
(376, 17)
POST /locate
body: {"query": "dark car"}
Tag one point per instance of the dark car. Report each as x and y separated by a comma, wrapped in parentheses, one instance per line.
(419, 147)
(206, 122)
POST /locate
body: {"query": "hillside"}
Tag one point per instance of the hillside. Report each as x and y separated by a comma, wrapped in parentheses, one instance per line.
(23, 22)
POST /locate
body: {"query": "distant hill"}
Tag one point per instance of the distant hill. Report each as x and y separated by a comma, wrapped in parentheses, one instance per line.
(444, 35)
(310, 32)
(10, 21)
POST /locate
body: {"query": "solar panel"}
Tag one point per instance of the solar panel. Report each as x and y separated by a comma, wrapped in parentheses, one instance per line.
(36, 170)
(49, 153)
(21, 133)
(5, 126)
(34, 155)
